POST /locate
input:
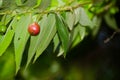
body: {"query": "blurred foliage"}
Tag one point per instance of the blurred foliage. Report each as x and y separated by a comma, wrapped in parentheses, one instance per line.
(64, 25)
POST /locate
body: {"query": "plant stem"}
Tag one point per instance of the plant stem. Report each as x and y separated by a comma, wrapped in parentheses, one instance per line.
(59, 9)
(111, 37)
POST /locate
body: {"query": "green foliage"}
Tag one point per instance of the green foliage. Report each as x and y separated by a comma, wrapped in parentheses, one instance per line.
(6, 39)
(70, 19)
(65, 23)
(7, 64)
(21, 37)
(39, 43)
(63, 33)
(110, 20)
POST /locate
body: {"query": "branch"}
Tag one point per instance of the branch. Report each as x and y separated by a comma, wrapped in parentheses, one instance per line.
(59, 9)
(111, 37)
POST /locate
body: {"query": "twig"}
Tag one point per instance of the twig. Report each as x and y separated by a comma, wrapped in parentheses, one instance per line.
(59, 9)
(111, 37)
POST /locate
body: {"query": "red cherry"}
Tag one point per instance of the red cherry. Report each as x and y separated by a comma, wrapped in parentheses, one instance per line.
(34, 29)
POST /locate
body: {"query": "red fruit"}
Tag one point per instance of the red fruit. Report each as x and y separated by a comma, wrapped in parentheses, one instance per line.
(34, 29)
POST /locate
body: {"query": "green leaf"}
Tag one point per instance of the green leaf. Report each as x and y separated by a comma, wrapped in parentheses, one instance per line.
(1, 36)
(63, 33)
(82, 31)
(7, 38)
(21, 37)
(57, 46)
(44, 4)
(54, 3)
(35, 40)
(78, 35)
(96, 22)
(1, 2)
(56, 42)
(84, 20)
(58, 3)
(61, 2)
(66, 1)
(19, 2)
(32, 3)
(7, 64)
(70, 19)
(41, 41)
(76, 41)
(8, 5)
(61, 51)
(77, 14)
(6, 19)
(38, 3)
(47, 35)
(111, 22)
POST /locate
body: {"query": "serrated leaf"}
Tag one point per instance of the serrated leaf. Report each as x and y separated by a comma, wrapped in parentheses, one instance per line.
(63, 33)
(70, 19)
(7, 38)
(47, 35)
(21, 37)
(84, 20)
(110, 20)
